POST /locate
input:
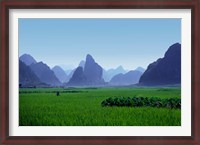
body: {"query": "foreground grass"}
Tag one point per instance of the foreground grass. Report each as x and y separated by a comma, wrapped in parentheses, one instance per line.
(82, 107)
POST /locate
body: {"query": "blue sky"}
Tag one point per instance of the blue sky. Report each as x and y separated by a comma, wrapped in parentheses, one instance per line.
(112, 42)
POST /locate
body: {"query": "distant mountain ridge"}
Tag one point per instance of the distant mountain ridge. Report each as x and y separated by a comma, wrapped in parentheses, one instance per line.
(90, 75)
(93, 71)
(140, 69)
(78, 77)
(129, 78)
(27, 59)
(71, 72)
(166, 70)
(26, 75)
(45, 74)
(82, 63)
(38, 69)
(108, 74)
(60, 73)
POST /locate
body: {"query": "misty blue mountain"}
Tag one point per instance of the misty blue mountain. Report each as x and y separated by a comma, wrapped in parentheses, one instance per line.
(68, 71)
(45, 74)
(71, 72)
(70, 75)
(93, 71)
(27, 59)
(78, 78)
(108, 74)
(166, 70)
(141, 69)
(41, 70)
(90, 75)
(26, 75)
(82, 63)
(131, 77)
(60, 73)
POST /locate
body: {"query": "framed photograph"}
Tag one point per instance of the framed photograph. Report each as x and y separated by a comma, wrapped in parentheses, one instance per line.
(100, 72)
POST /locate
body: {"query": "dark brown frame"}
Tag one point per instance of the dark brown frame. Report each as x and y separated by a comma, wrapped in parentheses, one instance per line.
(99, 4)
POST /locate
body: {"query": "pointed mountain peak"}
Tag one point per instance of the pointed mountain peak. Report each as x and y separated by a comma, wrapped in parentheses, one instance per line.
(27, 59)
(120, 67)
(82, 63)
(78, 78)
(56, 67)
(45, 74)
(26, 55)
(141, 69)
(60, 73)
(89, 58)
(166, 70)
(173, 49)
(79, 69)
(41, 62)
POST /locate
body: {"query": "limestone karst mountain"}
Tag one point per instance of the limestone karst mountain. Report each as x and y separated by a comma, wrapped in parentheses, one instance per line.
(27, 76)
(27, 59)
(60, 73)
(90, 75)
(131, 77)
(110, 73)
(166, 70)
(78, 78)
(141, 69)
(93, 71)
(45, 74)
(82, 63)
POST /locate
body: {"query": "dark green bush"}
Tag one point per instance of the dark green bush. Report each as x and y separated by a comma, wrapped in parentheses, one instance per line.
(142, 101)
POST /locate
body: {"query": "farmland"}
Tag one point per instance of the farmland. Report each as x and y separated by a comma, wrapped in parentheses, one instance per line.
(82, 107)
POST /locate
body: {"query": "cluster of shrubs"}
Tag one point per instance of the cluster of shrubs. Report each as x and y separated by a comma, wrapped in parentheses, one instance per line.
(142, 101)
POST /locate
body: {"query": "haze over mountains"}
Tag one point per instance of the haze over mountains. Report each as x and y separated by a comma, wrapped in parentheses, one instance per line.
(164, 71)
(131, 77)
(90, 75)
(39, 69)
(108, 74)
(26, 75)
(60, 74)
(27, 59)
(45, 74)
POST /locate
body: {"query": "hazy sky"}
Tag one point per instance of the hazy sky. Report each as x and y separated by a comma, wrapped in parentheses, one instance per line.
(111, 42)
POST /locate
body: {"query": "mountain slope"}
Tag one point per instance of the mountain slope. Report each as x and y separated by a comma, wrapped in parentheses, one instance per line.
(60, 73)
(82, 63)
(90, 75)
(107, 75)
(93, 71)
(131, 77)
(26, 75)
(27, 59)
(45, 74)
(166, 70)
(78, 78)
(140, 69)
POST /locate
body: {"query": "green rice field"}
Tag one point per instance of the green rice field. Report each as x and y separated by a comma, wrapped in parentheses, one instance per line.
(82, 107)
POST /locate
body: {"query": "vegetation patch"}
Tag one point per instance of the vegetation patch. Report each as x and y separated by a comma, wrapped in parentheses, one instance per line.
(163, 89)
(84, 108)
(174, 103)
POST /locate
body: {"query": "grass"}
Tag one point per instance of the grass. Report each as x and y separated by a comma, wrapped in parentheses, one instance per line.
(82, 107)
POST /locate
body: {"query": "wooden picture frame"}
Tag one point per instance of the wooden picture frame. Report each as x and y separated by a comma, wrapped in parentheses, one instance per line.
(6, 5)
